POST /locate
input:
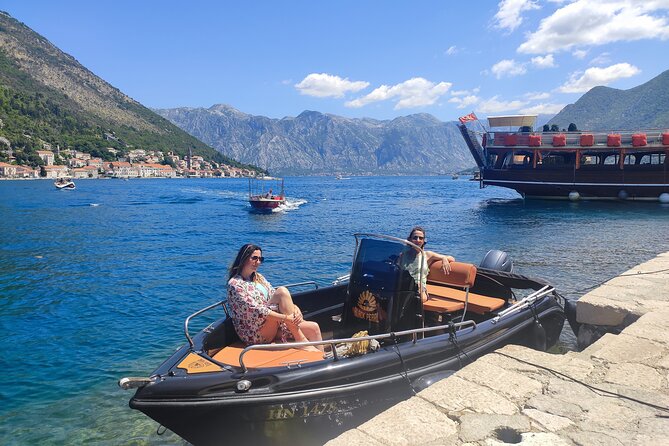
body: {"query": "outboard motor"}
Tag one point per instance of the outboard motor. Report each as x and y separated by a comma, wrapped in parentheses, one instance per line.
(497, 260)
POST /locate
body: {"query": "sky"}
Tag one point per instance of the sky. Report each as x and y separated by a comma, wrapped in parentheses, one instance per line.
(362, 58)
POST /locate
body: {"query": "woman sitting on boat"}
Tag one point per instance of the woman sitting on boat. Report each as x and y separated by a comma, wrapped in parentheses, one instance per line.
(261, 313)
(418, 264)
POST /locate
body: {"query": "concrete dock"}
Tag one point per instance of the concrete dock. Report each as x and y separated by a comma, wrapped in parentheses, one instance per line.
(613, 392)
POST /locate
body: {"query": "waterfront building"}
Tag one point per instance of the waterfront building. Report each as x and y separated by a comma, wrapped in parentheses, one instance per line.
(47, 156)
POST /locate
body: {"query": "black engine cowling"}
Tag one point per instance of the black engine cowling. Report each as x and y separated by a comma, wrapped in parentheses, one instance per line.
(497, 260)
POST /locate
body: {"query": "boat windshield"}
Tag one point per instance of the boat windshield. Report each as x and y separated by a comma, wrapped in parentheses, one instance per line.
(390, 265)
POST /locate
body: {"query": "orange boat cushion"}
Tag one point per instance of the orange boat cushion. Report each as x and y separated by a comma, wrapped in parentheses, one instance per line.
(193, 363)
(587, 140)
(665, 139)
(534, 140)
(477, 303)
(559, 140)
(613, 140)
(462, 274)
(442, 305)
(265, 358)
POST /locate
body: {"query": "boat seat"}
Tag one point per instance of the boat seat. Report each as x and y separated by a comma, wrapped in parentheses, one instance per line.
(462, 275)
(255, 359)
(438, 305)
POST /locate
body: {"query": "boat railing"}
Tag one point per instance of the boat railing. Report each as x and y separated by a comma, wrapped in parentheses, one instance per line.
(301, 284)
(199, 312)
(342, 279)
(524, 303)
(333, 342)
(586, 140)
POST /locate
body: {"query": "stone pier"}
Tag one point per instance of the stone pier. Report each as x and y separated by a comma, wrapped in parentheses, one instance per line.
(614, 392)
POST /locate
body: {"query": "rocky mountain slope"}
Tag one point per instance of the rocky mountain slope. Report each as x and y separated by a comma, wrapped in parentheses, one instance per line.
(316, 143)
(46, 96)
(604, 108)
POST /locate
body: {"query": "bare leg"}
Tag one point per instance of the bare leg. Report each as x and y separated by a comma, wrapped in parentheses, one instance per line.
(283, 298)
(312, 331)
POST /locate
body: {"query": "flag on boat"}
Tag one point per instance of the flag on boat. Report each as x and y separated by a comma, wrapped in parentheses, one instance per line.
(467, 118)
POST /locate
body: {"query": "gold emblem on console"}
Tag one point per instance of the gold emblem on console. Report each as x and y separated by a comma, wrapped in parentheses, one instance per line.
(367, 307)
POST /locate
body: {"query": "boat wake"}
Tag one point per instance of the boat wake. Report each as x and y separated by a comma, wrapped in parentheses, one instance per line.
(291, 204)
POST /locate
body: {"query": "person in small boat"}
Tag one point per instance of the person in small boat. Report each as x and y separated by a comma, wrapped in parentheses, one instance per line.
(418, 264)
(261, 313)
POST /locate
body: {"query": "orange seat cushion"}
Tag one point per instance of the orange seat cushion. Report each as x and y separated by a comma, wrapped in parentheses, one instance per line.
(442, 305)
(477, 303)
(462, 274)
(265, 358)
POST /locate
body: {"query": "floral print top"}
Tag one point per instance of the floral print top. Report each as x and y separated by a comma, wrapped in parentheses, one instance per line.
(249, 309)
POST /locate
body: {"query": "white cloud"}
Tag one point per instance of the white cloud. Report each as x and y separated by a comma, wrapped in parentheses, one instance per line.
(466, 101)
(597, 22)
(451, 50)
(602, 59)
(508, 67)
(579, 54)
(544, 61)
(493, 105)
(509, 14)
(323, 85)
(542, 109)
(415, 92)
(581, 82)
(465, 92)
(536, 96)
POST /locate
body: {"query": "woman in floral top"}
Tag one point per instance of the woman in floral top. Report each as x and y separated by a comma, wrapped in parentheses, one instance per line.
(261, 313)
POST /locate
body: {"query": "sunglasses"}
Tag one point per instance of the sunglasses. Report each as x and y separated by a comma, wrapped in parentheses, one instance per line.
(417, 237)
(256, 258)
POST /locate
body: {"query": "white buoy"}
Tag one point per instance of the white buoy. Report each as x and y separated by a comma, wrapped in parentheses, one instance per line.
(622, 195)
(574, 196)
(664, 198)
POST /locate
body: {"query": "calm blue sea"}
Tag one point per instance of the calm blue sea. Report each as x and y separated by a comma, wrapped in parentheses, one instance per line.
(95, 283)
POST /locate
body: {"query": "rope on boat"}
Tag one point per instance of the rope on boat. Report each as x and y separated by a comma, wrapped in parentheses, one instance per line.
(393, 338)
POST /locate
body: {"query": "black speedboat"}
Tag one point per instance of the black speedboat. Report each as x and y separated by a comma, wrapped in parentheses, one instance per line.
(215, 390)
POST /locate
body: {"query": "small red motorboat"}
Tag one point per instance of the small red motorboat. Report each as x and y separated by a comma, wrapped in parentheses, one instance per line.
(261, 193)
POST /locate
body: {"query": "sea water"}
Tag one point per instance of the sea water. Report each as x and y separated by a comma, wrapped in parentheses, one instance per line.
(95, 283)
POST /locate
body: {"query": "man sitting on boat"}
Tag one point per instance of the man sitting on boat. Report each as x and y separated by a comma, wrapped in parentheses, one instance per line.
(261, 313)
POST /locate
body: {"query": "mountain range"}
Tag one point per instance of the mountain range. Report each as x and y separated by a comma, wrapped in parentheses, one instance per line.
(314, 143)
(603, 108)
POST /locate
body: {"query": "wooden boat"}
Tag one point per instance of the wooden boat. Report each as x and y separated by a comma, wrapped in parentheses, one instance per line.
(64, 184)
(215, 389)
(262, 195)
(614, 165)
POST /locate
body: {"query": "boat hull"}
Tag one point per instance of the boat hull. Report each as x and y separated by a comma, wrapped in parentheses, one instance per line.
(593, 185)
(266, 204)
(297, 409)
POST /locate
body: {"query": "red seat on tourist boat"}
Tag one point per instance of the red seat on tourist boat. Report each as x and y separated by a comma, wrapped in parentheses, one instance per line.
(665, 139)
(511, 140)
(587, 140)
(559, 140)
(265, 358)
(534, 140)
(639, 139)
(613, 140)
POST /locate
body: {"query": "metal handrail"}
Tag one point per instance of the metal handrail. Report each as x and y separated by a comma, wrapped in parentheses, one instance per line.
(199, 312)
(309, 282)
(332, 342)
(341, 279)
(524, 303)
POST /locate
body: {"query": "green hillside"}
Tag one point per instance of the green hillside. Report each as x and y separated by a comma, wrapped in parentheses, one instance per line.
(46, 96)
(604, 108)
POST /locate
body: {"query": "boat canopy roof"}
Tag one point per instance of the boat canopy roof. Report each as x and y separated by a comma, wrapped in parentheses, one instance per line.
(512, 121)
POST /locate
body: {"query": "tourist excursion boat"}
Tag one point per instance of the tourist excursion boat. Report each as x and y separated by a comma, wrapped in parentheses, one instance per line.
(618, 165)
(216, 390)
(64, 183)
(266, 193)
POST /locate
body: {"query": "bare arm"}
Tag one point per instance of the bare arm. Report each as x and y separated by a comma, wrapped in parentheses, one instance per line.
(445, 260)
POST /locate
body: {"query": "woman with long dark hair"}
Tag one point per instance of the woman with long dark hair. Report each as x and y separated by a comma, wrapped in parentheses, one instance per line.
(418, 263)
(261, 313)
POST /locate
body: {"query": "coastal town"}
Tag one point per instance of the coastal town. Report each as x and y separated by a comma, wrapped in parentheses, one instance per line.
(137, 163)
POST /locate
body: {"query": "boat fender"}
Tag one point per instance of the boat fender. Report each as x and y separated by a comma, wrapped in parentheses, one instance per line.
(497, 260)
(426, 381)
(570, 312)
(664, 198)
(539, 336)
